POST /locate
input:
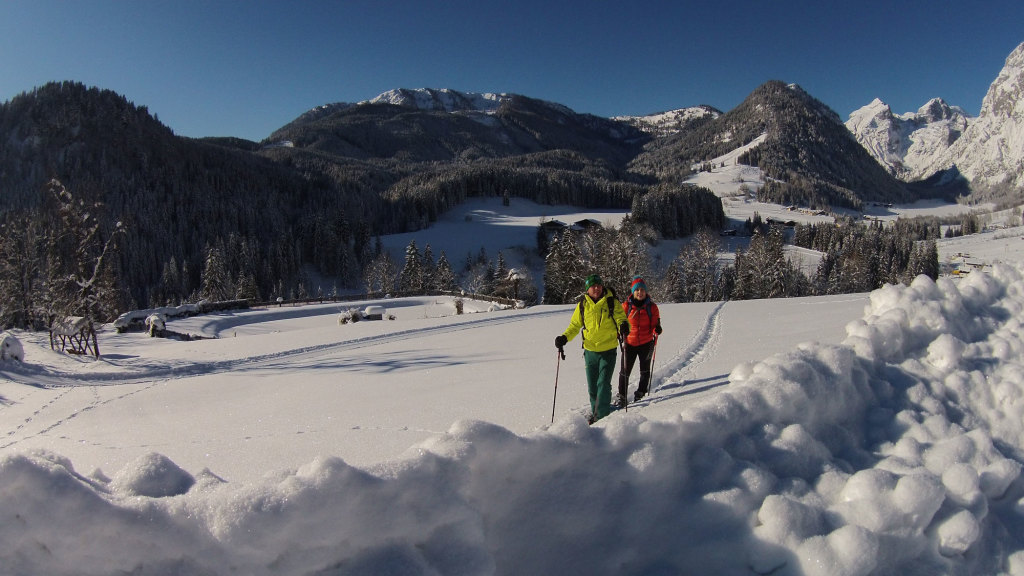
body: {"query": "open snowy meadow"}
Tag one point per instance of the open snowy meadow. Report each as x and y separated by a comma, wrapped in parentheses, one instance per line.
(877, 433)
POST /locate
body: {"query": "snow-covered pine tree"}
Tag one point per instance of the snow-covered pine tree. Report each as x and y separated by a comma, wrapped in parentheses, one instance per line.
(215, 281)
(381, 275)
(564, 270)
(501, 284)
(743, 288)
(444, 276)
(246, 287)
(625, 256)
(699, 263)
(429, 268)
(411, 277)
(500, 269)
(673, 280)
(776, 267)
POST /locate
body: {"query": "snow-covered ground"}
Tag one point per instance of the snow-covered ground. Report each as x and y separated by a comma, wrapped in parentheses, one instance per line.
(876, 433)
(485, 223)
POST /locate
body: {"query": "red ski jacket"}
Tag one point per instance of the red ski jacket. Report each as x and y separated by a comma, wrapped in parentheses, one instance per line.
(643, 316)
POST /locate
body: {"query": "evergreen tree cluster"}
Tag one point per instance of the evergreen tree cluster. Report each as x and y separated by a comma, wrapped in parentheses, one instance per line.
(968, 224)
(175, 197)
(856, 259)
(198, 210)
(224, 218)
(616, 254)
(421, 274)
(862, 258)
(679, 211)
(418, 200)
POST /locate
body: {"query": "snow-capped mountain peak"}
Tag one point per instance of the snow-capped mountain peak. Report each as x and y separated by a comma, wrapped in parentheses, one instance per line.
(937, 110)
(663, 123)
(1004, 96)
(990, 154)
(906, 143)
(445, 99)
(879, 131)
(988, 150)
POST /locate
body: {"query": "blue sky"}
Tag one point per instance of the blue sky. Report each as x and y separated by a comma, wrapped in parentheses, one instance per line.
(246, 68)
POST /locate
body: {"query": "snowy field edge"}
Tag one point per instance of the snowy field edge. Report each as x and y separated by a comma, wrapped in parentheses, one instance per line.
(894, 452)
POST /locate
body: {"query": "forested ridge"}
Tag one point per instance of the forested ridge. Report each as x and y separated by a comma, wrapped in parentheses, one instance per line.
(230, 218)
(809, 157)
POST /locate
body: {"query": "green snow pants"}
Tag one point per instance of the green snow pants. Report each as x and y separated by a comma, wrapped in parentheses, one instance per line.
(600, 366)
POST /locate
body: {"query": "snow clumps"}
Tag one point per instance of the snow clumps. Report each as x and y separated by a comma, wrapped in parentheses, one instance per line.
(11, 348)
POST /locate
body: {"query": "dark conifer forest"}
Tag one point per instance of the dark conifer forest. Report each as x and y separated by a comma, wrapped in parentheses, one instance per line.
(104, 209)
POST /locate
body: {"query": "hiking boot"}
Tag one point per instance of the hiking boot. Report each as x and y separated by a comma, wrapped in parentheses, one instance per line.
(620, 400)
(637, 396)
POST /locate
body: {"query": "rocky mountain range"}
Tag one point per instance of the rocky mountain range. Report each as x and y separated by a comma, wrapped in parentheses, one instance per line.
(807, 155)
(907, 144)
(343, 172)
(942, 143)
(426, 125)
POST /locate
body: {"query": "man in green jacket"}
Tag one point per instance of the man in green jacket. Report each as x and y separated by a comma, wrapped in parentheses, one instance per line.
(600, 317)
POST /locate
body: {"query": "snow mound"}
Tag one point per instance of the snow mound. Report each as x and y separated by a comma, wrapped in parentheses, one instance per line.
(11, 348)
(152, 475)
(893, 452)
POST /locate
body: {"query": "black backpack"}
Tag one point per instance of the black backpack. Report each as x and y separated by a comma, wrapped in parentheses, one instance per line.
(646, 307)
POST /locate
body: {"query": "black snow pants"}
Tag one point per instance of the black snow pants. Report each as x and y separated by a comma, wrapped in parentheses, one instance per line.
(644, 352)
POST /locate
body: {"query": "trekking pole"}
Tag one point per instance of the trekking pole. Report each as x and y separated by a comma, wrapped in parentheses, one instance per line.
(622, 372)
(558, 363)
(654, 354)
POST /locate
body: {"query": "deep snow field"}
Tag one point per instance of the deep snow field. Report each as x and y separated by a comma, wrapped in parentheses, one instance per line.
(876, 433)
(872, 433)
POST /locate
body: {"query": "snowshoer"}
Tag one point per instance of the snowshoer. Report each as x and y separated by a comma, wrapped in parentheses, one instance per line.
(600, 317)
(645, 326)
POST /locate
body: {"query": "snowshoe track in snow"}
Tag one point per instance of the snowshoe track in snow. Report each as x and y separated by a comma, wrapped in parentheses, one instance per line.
(673, 374)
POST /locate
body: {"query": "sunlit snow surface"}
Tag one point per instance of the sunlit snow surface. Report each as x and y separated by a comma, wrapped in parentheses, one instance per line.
(858, 434)
(894, 449)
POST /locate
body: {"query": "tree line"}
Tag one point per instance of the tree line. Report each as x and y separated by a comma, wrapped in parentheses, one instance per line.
(212, 219)
(856, 259)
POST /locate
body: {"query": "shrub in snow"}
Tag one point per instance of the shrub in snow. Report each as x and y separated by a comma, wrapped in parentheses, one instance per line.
(350, 315)
(125, 321)
(155, 323)
(11, 348)
(153, 475)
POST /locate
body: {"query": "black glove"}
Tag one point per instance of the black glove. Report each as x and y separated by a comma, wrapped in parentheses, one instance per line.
(624, 329)
(560, 341)
(657, 328)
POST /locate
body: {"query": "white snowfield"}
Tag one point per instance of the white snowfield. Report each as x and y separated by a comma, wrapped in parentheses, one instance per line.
(857, 434)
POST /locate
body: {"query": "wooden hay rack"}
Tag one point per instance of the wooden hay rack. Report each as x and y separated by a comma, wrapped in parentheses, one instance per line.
(75, 335)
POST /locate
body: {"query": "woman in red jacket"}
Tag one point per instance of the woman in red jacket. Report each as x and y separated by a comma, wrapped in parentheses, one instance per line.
(644, 327)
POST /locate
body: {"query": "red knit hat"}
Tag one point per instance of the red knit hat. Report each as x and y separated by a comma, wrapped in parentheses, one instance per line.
(638, 282)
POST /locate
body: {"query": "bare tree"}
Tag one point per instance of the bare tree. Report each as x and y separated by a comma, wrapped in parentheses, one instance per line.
(79, 280)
